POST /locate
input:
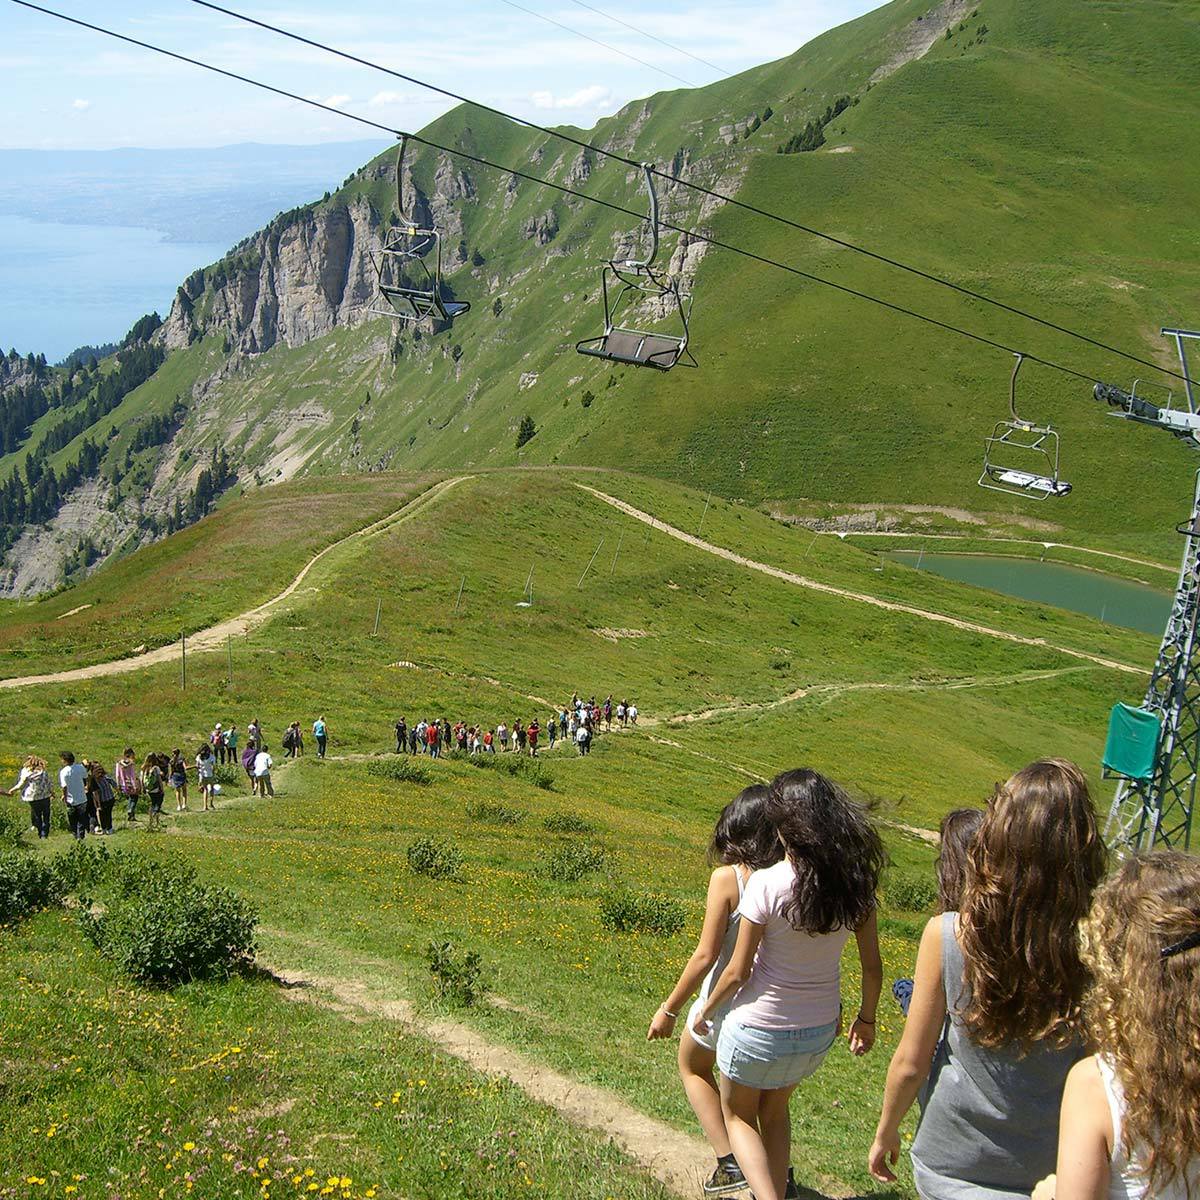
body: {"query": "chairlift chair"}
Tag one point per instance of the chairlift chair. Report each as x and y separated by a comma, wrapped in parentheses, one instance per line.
(627, 283)
(1022, 458)
(408, 267)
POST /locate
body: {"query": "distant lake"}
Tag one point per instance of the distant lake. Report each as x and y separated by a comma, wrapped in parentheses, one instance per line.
(63, 286)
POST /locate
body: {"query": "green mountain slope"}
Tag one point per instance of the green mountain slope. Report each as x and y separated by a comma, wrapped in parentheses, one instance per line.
(1041, 154)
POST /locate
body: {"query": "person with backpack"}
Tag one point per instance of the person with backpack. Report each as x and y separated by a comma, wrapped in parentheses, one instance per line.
(217, 741)
(414, 737)
(402, 736)
(289, 741)
(102, 796)
(128, 783)
(72, 779)
(248, 756)
(583, 739)
(321, 733)
(152, 783)
(36, 789)
(231, 745)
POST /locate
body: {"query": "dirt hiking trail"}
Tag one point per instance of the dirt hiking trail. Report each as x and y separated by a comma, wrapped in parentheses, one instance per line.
(215, 636)
(861, 597)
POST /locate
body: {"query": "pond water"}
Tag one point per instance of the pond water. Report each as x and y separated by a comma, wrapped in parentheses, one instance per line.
(1116, 601)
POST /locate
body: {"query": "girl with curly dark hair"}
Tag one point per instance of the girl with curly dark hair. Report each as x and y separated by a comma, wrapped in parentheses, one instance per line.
(784, 978)
(1007, 971)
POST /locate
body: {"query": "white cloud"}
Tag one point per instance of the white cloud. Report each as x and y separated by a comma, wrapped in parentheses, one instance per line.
(595, 96)
(382, 99)
(336, 100)
(81, 105)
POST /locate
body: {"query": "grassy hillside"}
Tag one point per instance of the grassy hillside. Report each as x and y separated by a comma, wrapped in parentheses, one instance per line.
(737, 674)
(1036, 153)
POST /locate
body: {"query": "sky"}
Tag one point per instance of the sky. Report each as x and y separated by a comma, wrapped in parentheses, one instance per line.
(65, 88)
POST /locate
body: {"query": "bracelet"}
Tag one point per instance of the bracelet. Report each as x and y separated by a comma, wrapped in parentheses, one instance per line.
(864, 1020)
(666, 1012)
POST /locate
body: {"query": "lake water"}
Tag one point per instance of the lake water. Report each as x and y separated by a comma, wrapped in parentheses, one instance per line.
(1116, 601)
(63, 286)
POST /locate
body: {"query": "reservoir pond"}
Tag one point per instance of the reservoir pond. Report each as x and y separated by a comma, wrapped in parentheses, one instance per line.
(1117, 601)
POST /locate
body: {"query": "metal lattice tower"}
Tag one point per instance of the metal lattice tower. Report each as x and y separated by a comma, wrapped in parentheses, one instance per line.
(1157, 812)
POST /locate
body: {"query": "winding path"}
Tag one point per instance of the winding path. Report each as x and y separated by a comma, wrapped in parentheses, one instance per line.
(861, 597)
(215, 636)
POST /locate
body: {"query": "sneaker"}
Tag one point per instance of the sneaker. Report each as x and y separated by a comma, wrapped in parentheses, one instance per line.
(726, 1178)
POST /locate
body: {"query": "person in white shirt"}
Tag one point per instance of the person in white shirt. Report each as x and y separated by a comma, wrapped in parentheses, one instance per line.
(633, 714)
(72, 779)
(262, 772)
(206, 770)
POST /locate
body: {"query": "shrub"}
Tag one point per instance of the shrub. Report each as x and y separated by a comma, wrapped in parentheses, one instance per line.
(526, 431)
(229, 775)
(569, 822)
(27, 885)
(12, 826)
(642, 912)
(400, 770)
(909, 892)
(519, 766)
(458, 977)
(163, 926)
(570, 863)
(496, 814)
(79, 869)
(438, 860)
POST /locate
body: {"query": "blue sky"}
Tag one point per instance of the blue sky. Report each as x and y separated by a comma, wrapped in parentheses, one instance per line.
(64, 88)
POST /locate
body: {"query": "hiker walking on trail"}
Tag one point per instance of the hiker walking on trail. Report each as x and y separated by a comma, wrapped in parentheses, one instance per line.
(433, 738)
(321, 733)
(206, 771)
(216, 739)
(744, 841)
(622, 713)
(35, 788)
(71, 781)
(152, 783)
(583, 740)
(101, 796)
(633, 714)
(128, 783)
(402, 736)
(502, 736)
(489, 742)
(414, 736)
(519, 737)
(178, 780)
(254, 731)
(608, 714)
(532, 735)
(289, 740)
(262, 772)
(248, 760)
(782, 987)
(552, 729)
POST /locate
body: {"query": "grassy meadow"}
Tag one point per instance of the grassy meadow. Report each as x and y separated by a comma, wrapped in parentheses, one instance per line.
(737, 675)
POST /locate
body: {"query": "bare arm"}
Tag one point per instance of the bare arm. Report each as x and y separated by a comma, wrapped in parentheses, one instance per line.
(733, 978)
(722, 899)
(1085, 1136)
(862, 1028)
(914, 1056)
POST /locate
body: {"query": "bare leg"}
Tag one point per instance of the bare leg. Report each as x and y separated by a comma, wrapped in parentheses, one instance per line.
(696, 1063)
(775, 1125)
(752, 1118)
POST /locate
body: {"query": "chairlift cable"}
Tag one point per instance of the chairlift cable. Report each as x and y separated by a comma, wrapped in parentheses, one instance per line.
(717, 243)
(596, 41)
(653, 37)
(712, 193)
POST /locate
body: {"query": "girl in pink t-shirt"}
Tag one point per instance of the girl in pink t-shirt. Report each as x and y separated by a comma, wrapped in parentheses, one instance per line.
(785, 974)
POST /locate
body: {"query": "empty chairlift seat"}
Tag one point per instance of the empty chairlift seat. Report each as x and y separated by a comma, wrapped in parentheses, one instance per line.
(1132, 745)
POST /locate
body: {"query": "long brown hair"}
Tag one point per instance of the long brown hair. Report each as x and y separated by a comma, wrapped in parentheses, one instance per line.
(958, 830)
(1032, 869)
(1143, 1009)
(835, 850)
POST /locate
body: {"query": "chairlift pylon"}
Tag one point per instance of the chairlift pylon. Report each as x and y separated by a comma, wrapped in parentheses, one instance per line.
(1020, 458)
(408, 267)
(626, 283)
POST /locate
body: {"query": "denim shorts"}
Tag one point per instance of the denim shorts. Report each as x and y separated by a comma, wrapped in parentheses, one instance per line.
(772, 1058)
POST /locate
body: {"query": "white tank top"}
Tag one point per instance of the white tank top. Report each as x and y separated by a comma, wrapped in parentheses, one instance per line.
(1126, 1181)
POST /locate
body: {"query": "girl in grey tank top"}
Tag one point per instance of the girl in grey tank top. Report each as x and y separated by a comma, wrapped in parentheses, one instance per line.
(990, 1129)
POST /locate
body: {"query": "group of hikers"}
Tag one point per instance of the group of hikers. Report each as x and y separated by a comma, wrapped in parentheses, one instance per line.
(90, 793)
(1052, 1030)
(576, 724)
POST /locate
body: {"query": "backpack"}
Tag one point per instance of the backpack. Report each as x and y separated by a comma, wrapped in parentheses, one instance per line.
(42, 788)
(289, 740)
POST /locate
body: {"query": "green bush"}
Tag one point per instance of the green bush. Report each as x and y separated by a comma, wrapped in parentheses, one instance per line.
(82, 867)
(229, 775)
(458, 977)
(162, 926)
(642, 912)
(519, 766)
(27, 885)
(496, 814)
(438, 860)
(13, 826)
(569, 822)
(570, 863)
(909, 891)
(400, 770)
